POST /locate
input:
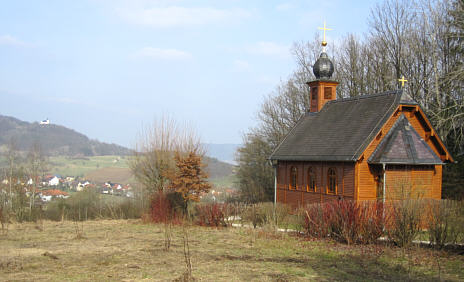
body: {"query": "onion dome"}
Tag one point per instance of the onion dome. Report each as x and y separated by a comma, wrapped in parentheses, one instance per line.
(323, 68)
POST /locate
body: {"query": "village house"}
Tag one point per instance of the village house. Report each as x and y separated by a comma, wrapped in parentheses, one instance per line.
(55, 181)
(372, 147)
(48, 195)
(81, 185)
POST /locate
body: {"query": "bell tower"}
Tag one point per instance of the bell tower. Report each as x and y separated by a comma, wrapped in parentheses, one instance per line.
(323, 88)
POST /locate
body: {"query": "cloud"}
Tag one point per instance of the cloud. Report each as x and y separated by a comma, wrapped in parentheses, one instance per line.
(241, 65)
(11, 41)
(269, 49)
(176, 16)
(162, 54)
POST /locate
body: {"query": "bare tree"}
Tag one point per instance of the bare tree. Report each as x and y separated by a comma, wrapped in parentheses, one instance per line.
(36, 166)
(390, 26)
(12, 157)
(153, 160)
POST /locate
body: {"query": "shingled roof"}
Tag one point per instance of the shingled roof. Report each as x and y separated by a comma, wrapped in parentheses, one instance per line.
(340, 131)
(403, 145)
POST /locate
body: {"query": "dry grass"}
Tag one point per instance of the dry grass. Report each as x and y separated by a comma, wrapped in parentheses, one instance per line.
(127, 250)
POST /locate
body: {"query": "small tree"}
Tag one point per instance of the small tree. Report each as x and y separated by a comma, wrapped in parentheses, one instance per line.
(36, 168)
(153, 161)
(152, 157)
(189, 179)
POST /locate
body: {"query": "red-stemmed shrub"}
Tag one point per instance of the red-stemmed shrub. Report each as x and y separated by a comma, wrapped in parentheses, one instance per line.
(211, 214)
(162, 209)
(345, 221)
(373, 217)
(316, 224)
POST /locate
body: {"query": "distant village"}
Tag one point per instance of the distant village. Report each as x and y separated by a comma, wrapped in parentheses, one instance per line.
(52, 187)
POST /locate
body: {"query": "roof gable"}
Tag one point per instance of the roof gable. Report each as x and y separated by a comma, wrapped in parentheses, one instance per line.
(403, 145)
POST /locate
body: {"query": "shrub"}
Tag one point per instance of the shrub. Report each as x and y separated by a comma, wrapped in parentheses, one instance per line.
(56, 210)
(262, 214)
(372, 224)
(125, 209)
(234, 211)
(254, 215)
(404, 221)
(283, 217)
(445, 222)
(164, 207)
(88, 204)
(83, 205)
(4, 212)
(346, 221)
(211, 214)
(315, 224)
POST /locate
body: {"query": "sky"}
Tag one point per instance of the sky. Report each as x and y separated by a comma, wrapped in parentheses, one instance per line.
(107, 68)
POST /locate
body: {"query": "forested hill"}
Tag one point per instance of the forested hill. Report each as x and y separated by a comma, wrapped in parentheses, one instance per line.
(53, 139)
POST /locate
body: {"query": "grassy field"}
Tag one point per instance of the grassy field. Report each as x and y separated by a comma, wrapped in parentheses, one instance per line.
(121, 250)
(116, 169)
(67, 166)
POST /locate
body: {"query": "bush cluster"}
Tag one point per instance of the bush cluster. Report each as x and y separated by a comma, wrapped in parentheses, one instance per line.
(88, 204)
(166, 207)
(170, 207)
(345, 221)
(268, 214)
(211, 214)
(400, 221)
(445, 222)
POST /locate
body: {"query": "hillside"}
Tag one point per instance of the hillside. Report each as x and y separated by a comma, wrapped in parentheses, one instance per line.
(116, 169)
(54, 140)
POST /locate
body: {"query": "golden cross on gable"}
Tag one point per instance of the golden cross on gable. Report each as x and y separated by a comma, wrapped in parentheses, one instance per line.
(324, 43)
(402, 80)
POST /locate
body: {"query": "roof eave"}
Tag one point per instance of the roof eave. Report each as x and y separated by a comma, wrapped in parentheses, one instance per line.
(313, 158)
(406, 162)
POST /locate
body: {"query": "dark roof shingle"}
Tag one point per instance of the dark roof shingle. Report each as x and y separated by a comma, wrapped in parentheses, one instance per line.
(340, 131)
(403, 145)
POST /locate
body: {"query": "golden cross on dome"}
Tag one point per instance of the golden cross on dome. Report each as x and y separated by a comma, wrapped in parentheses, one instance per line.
(324, 43)
(402, 80)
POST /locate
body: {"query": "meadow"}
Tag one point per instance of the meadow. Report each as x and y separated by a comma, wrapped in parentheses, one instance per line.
(130, 250)
(73, 166)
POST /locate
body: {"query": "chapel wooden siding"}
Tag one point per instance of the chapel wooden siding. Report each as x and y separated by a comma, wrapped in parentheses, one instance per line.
(303, 194)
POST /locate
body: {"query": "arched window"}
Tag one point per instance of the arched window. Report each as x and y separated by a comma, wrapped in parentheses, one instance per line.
(311, 186)
(332, 181)
(293, 177)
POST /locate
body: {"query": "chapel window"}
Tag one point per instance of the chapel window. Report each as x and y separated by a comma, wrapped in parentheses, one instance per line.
(311, 186)
(314, 94)
(293, 177)
(328, 93)
(332, 181)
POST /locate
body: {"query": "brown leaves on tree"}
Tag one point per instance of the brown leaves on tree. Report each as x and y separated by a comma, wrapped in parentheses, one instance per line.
(189, 178)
